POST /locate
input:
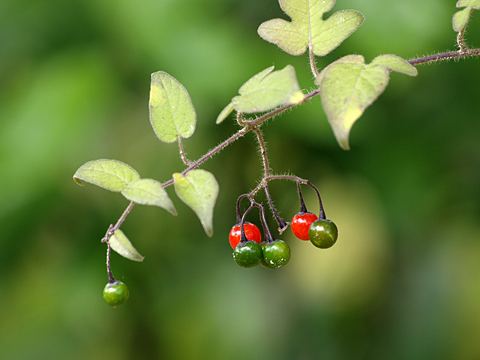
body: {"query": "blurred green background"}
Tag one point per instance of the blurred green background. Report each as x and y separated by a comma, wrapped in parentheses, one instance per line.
(403, 281)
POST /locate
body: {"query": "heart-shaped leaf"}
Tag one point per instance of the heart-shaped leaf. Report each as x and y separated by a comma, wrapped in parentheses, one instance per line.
(120, 244)
(268, 90)
(171, 110)
(199, 190)
(348, 87)
(112, 175)
(307, 28)
(149, 192)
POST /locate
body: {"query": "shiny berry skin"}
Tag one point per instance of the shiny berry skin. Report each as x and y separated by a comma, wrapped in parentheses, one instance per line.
(301, 223)
(323, 233)
(116, 293)
(248, 254)
(251, 232)
(276, 254)
(262, 261)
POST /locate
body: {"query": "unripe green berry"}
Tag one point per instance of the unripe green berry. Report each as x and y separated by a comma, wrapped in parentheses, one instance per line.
(323, 233)
(116, 293)
(248, 254)
(276, 254)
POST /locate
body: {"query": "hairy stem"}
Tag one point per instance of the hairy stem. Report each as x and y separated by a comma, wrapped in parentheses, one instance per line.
(111, 230)
(263, 150)
(313, 65)
(445, 56)
(182, 152)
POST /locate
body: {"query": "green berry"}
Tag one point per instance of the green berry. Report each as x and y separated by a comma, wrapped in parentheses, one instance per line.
(323, 233)
(248, 254)
(276, 254)
(262, 261)
(116, 293)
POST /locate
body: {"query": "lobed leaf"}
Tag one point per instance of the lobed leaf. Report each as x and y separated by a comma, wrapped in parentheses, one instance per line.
(112, 175)
(199, 190)
(307, 28)
(348, 87)
(268, 90)
(171, 110)
(120, 244)
(149, 192)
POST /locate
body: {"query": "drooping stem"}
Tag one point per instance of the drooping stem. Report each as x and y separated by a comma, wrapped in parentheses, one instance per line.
(111, 279)
(282, 224)
(303, 207)
(266, 230)
(243, 237)
(321, 213)
(239, 213)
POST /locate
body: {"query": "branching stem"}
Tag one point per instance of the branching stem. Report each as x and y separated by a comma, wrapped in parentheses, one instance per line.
(252, 125)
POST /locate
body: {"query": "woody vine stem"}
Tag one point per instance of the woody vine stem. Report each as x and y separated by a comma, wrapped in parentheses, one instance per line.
(254, 125)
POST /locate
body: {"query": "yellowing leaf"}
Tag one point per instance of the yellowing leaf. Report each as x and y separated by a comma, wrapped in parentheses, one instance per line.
(171, 110)
(112, 175)
(307, 28)
(199, 190)
(149, 192)
(348, 87)
(120, 244)
(268, 90)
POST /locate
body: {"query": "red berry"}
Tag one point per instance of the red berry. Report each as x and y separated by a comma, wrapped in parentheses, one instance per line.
(251, 232)
(301, 223)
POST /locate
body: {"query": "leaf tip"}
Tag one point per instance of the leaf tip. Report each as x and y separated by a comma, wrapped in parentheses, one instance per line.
(77, 180)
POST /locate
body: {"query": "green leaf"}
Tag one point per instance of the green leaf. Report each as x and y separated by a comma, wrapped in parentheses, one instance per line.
(460, 18)
(112, 175)
(348, 87)
(224, 113)
(171, 110)
(120, 244)
(199, 190)
(473, 3)
(268, 90)
(149, 192)
(395, 63)
(307, 28)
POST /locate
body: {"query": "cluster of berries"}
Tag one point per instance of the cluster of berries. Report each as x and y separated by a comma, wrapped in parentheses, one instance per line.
(249, 250)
